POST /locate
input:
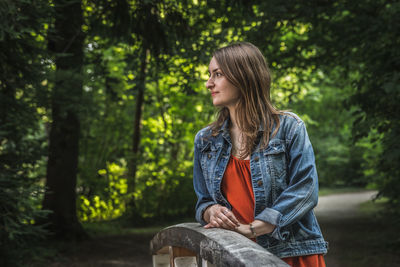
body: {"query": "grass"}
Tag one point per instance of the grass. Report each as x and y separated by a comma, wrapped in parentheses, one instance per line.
(374, 208)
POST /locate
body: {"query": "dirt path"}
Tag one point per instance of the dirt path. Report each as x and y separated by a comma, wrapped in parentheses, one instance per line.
(351, 239)
(337, 215)
(355, 238)
(342, 206)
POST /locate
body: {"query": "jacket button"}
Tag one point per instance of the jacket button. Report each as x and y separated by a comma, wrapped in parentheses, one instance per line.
(256, 159)
(260, 182)
(209, 156)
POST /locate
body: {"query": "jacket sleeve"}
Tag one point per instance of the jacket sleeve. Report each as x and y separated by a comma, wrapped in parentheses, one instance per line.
(204, 198)
(301, 195)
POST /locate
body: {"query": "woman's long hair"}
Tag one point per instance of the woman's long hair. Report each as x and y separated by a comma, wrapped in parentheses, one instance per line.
(246, 68)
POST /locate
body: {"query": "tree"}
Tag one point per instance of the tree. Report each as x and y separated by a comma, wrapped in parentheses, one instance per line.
(22, 141)
(66, 43)
(359, 40)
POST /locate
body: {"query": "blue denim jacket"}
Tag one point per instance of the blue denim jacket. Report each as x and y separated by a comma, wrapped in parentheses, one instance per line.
(285, 185)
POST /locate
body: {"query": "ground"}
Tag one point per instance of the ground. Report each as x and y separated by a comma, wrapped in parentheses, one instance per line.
(115, 250)
(356, 238)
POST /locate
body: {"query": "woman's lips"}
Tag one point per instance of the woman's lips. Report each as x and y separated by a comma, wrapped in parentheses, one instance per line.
(214, 93)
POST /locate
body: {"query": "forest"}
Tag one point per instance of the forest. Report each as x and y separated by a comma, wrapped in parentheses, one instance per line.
(100, 102)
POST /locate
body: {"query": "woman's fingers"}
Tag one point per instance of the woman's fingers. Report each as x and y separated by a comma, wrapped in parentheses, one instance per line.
(229, 218)
(218, 223)
(212, 224)
(226, 222)
(232, 218)
(222, 217)
(208, 225)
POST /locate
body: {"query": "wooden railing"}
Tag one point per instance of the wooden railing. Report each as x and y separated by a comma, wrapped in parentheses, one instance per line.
(189, 244)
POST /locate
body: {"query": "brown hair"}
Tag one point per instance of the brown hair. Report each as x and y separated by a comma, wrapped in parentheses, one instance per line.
(246, 68)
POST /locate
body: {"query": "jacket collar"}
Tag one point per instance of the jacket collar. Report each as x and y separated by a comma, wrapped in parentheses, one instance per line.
(225, 127)
(225, 130)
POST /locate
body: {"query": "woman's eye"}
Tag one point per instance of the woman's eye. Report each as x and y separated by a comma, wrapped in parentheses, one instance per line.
(218, 74)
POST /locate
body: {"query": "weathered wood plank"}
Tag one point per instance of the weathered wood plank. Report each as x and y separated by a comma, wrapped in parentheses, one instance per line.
(218, 246)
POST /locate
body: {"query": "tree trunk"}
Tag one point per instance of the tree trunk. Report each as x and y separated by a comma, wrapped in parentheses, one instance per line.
(141, 85)
(66, 42)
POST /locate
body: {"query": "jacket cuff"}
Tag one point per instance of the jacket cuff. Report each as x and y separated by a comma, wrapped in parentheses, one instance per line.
(200, 211)
(273, 217)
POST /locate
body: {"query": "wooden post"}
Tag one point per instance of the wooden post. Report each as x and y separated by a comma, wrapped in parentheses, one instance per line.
(179, 252)
(174, 257)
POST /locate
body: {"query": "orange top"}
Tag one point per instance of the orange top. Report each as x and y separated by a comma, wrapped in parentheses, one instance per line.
(316, 260)
(237, 188)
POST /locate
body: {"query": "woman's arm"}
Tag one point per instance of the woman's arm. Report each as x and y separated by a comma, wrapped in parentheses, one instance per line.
(208, 212)
(204, 199)
(301, 195)
(259, 228)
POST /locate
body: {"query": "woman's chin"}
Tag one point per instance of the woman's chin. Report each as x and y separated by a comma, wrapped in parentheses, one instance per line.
(217, 103)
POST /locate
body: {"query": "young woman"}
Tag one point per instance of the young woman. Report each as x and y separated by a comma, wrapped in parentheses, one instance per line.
(254, 167)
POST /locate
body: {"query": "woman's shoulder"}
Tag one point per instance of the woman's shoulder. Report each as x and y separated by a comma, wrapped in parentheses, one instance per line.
(202, 136)
(289, 124)
(287, 117)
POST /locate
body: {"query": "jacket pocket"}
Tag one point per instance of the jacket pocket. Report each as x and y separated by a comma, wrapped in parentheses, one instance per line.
(208, 160)
(275, 158)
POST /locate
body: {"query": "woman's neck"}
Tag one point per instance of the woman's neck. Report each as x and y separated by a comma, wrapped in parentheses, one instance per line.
(232, 116)
(236, 135)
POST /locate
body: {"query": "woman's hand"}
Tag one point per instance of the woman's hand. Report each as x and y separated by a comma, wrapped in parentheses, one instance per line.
(220, 217)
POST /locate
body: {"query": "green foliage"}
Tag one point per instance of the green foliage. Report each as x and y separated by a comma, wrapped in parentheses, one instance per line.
(335, 64)
(176, 103)
(112, 202)
(22, 136)
(19, 209)
(168, 129)
(329, 126)
(107, 114)
(363, 40)
(165, 176)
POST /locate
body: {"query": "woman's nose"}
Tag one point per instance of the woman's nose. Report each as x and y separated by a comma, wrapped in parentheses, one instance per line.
(209, 83)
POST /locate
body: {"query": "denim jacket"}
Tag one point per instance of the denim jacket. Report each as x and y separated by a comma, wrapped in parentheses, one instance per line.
(285, 185)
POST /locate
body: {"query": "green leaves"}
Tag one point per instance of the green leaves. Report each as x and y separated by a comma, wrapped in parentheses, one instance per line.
(112, 202)
(22, 136)
(333, 63)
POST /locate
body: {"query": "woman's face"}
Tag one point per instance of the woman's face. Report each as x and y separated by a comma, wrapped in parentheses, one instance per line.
(223, 93)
